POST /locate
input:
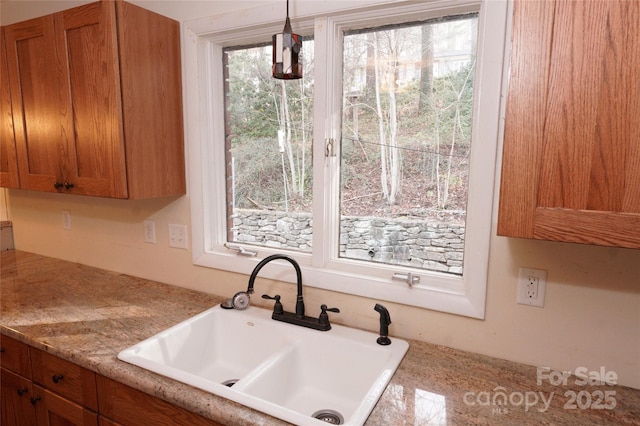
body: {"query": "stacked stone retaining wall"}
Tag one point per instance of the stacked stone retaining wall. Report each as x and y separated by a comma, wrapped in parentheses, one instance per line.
(418, 243)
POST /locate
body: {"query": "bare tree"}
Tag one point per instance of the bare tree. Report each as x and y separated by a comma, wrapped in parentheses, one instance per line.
(426, 69)
(385, 75)
(445, 183)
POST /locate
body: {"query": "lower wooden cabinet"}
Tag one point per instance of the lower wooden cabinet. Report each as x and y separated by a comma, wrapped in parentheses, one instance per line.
(16, 388)
(130, 407)
(15, 394)
(65, 378)
(40, 389)
(103, 421)
(54, 410)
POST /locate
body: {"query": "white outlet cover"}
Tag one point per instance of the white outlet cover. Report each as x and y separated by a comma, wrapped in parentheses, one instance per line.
(523, 279)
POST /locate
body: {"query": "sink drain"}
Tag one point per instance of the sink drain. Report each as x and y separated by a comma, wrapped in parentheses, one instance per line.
(329, 416)
(230, 382)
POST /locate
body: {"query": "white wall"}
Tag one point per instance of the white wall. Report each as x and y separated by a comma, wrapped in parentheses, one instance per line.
(591, 316)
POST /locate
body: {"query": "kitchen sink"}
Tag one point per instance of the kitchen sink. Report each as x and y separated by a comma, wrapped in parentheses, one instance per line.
(215, 347)
(290, 372)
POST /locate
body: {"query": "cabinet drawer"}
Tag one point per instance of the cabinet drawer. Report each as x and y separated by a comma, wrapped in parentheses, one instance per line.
(65, 378)
(14, 356)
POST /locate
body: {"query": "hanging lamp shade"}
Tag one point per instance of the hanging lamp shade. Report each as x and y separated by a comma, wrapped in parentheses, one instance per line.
(287, 53)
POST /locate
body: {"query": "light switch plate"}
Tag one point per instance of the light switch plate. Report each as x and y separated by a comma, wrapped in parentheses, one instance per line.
(178, 236)
(150, 231)
(66, 220)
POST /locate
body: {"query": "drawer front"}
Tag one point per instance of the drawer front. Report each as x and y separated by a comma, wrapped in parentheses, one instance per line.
(14, 356)
(65, 378)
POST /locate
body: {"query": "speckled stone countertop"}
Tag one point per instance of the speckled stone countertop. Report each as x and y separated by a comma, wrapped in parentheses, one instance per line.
(87, 315)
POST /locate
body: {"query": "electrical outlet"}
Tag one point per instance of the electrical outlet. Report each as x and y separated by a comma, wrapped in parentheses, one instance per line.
(531, 286)
(66, 220)
(150, 231)
(178, 236)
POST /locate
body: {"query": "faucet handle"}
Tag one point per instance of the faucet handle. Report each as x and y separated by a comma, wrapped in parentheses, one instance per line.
(324, 318)
(277, 308)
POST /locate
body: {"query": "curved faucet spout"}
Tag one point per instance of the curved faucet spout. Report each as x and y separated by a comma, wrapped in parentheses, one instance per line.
(263, 262)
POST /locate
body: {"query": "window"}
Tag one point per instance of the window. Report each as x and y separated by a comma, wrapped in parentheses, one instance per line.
(406, 139)
(268, 138)
(375, 171)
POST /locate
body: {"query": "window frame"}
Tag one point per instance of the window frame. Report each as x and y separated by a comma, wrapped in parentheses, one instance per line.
(204, 40)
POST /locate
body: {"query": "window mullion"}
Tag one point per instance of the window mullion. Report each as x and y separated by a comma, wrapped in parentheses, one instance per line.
(327, 115)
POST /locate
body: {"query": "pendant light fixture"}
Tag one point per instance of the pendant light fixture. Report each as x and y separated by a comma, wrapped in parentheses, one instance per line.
(287, 53)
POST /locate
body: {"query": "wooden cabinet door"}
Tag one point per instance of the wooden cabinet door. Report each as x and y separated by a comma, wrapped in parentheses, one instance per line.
(54, 410)
(96, 96)
(130, 407)
(103, 421)
(64, 76)
(96, 158)
(37, 102)
(571, 159)
(8, 161)
(16, 408)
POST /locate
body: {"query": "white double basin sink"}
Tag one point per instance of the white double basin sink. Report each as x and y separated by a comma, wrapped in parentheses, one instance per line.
(290, 372)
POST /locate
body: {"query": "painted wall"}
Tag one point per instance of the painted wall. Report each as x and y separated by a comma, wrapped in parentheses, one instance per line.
(591, 316)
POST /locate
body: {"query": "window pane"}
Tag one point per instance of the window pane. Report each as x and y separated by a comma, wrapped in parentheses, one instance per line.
(268, 150)
(408, 100)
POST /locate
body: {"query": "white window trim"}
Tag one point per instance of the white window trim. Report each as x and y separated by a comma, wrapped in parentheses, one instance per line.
(203, 42)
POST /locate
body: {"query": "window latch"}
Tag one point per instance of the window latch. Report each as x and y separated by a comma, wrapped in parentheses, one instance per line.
(330, 147)
(241, 250)
(409, 278)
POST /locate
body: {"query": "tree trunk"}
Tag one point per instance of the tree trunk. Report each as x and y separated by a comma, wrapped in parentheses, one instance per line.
(381, 130)
(393, 121)
(371, 78)
(426, 71)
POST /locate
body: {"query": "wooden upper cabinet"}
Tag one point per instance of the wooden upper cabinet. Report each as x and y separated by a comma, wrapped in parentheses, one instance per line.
(571, 158)
(97, 102)
(9, 177)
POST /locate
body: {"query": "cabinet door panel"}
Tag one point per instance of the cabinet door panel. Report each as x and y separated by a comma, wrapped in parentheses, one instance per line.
(592, 108)
(16, 408)
(34, 77)
(571, 159)
(131, 407)
(8, 160)
(97, 163)
(53, 410)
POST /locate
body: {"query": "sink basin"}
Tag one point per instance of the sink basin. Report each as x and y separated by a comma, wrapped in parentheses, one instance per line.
(287, 371)
(216, 346)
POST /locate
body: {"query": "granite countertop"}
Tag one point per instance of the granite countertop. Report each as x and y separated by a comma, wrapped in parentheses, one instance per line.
(87, 315)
